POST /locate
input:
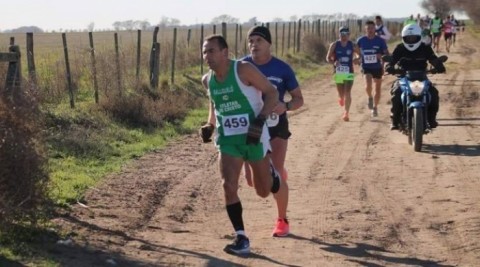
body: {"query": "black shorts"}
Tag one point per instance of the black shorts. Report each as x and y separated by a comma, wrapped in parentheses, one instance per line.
(376, 73)
(447, 35)
(436, 34)
(281, 129)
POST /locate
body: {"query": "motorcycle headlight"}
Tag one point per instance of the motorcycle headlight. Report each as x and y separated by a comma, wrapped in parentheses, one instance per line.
(417, 87)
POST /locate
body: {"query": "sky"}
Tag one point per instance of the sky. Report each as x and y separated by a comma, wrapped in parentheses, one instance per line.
(77, 15)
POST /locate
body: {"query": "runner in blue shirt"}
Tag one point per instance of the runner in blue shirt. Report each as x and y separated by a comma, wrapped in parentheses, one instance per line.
(282, 77)
(381, 30)
(341, 55)
(371, 47)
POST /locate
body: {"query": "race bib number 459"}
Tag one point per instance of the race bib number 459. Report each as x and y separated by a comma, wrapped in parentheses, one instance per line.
(369, 59)
(235, 124)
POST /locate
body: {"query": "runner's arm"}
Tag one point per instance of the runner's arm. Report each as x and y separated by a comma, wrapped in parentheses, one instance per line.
(297, 99)
(331, 54)
(211, 109)
(356, 51)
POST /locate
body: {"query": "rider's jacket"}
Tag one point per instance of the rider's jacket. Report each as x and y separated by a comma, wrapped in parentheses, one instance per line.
(419, 58)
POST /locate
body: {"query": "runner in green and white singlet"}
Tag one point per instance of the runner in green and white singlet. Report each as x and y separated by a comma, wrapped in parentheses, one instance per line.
(236, 105)
(236, 89)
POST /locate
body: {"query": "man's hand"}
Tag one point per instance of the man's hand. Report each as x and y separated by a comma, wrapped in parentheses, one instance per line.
(390, 69)
(206, 132)
(255, 130)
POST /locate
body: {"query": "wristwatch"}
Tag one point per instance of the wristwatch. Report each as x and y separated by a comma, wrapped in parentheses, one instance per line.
(288, 105)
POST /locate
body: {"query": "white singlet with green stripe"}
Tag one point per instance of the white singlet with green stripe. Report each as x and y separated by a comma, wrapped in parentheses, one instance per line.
(236, 105)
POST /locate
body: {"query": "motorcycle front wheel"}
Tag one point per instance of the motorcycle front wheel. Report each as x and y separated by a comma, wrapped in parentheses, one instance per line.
(417, 129)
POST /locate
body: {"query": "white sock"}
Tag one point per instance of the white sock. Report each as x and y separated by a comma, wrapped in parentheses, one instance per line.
(241, 232)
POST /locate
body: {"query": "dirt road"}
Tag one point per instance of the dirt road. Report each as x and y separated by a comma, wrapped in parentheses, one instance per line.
(360, 195)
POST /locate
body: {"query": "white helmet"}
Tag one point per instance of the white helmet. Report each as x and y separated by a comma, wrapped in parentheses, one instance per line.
(412, 36)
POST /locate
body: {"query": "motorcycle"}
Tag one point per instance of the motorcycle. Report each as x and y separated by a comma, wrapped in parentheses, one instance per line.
(415, 98)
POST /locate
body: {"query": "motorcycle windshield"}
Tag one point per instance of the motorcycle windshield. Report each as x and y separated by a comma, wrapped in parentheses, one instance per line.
(417, 75)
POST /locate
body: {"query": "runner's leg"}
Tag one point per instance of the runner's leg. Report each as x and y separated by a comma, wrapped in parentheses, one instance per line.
(348, 95)
(368, 88)
(378, 91)
(279, 146)
(230, 168)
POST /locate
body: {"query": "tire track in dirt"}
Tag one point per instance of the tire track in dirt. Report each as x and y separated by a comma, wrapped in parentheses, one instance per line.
(456, 174)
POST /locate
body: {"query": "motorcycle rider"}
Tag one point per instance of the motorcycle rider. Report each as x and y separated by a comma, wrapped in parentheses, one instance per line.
(414, 54)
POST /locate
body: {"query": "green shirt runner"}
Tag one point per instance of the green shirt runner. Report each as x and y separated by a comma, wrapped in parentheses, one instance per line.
(236, 104)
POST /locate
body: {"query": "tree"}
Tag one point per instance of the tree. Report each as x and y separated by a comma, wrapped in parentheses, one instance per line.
(445, 7)
(145, 25)
(252, 21)
(224, 18)
(167, 22)
(312, 17)
(174, 22)
(440, 7)
(117, 25)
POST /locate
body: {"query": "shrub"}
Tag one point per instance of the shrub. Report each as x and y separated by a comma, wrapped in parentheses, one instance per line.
(23, 174)
(148, 107)
(314, 48)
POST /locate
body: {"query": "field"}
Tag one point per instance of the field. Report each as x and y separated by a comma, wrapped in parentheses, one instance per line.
(359, 195)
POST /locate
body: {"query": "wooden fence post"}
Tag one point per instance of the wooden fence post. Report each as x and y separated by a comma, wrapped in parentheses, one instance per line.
(294, 37)
(69, 74)
(224, 30)
(283, 37)
(14, 71)
(117, 62)
(155, 60)
(359, 22)
(288, 38)
(189, 36)
(241, 40)
(139, 46)
(94, 66)
(276, 38)
(201, 48)
(31, 60)
(174, 55)
(299, 32)
(236, 40)
(318, 26)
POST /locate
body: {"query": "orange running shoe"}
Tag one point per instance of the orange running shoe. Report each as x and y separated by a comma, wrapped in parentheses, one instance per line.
(282, 228)
(341, 102)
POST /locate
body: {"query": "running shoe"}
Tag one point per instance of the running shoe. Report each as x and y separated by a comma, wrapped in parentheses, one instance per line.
(282, 228)
(370, 103)
(240, 246)
(374, 112)
(341, 102)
